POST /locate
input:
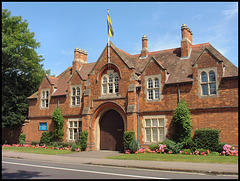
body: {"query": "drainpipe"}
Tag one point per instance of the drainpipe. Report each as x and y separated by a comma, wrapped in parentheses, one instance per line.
(58, 102)
(138, 89)
(178, 93)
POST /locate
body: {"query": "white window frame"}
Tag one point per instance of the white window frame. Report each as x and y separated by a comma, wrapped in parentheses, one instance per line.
(208, 83)
(152, 88)
(110, 83)
(74, 129)
(45, 99)
(161, 129)
(75, 97)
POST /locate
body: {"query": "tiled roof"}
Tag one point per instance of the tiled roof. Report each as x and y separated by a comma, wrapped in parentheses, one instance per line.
(180, 70)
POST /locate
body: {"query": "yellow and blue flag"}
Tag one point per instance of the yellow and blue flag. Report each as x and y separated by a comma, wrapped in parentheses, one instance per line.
(110, 28)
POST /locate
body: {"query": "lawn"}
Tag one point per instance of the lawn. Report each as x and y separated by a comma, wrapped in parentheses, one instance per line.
(37, 150)
(178, 158)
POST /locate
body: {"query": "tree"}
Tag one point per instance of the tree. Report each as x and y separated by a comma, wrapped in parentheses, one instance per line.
(182, 123)
(21, 68)
(58, 120)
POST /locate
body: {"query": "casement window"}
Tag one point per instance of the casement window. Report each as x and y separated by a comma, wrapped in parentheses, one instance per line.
(208, 83)
(153, 89)
(75, 129)
(45, 97)
(154, 129)
(110, 83)
(75, 95)
(43, 126)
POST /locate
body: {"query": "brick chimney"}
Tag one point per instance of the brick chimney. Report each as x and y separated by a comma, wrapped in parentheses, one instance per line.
(80, 58)
(186, 42)
(144, 51)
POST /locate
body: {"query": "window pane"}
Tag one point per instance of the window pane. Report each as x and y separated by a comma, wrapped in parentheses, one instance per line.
(75, 124)
(70, 134)
(156, 83)
(46, 94)
(78, 91)
(156, 93)
(161, 122)
(43, 103)
(161, 134)
(148, 134)
(104, 80)
(211, 76)
(104, 89)
(148, 122)
(46, 102)
(73, 91)
(116, 88)
(204, 77)
(73, 100)
(43, 94)
(75, 134)
(150, 94)
(155, 134)
(78, 100)
(205, 89)
(79, 134)
(110, 88)
(70, 124)
(116, 79)
(154, 122)
(110, 78)
(213, 88)
(150, 83)
(80, 125)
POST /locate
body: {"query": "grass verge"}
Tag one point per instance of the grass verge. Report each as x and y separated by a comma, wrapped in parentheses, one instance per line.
(178, 158)
(37, 150)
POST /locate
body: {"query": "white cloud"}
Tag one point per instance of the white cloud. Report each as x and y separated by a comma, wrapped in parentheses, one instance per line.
(229, 13)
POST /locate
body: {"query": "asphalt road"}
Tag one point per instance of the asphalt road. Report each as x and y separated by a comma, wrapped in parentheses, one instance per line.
(13, 168)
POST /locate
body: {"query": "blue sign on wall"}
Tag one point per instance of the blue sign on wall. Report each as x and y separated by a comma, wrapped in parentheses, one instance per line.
(43, 126)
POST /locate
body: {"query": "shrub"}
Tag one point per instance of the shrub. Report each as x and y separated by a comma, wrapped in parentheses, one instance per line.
(182, 123)
(153, 146)
(133, 146)
(74, 146)
(35, 143)
(170, 145)
(189, 144)
(46, 138)
(127, 138)
(55, 145)
(207, 138)
(219, 147)
(21, 142)
(83, 142)
(186, 151)
(22, 137)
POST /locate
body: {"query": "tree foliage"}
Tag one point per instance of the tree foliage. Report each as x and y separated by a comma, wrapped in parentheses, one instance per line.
(182, 123)
(58, 120)
(21, 68)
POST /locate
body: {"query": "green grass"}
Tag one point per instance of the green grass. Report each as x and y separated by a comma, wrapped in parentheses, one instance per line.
(178, 158)
(37, 150)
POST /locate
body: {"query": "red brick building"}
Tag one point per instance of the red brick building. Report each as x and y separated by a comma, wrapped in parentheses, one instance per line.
(140, 93)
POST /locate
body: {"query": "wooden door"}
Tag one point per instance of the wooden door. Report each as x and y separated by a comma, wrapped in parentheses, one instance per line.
(111, 131)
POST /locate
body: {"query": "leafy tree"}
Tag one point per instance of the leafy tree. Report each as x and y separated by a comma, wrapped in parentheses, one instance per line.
(58, 120)
(182, 123)
(21, 68)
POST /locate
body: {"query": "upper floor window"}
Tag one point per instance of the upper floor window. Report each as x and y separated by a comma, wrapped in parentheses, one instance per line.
(153, 89)
(110, 83)
(75, 95)
(208, 83)
(45, 99)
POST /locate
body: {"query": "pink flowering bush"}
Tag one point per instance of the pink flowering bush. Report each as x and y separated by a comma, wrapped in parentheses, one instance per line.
(229, 150)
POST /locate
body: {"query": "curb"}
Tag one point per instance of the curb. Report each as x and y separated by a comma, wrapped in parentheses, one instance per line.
(168, 169)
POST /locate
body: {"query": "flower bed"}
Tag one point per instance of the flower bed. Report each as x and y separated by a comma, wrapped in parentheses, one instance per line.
(43, 147)
(228, 150)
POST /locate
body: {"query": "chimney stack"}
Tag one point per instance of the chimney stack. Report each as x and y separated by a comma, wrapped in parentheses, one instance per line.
(80, 58)
(186, 42)
(144, 51)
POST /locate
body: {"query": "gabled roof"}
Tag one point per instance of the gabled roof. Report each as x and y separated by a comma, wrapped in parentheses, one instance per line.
(180, 70)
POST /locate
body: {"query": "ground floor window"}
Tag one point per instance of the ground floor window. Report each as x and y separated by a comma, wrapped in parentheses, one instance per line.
(154, 128)
(43, 126)
(74, 130)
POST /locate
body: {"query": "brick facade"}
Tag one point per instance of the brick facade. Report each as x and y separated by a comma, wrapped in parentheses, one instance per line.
(179, 78)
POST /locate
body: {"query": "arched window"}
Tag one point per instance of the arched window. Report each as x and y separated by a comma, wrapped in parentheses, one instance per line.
(45, 99)
(75, 95)
(208, 83)
(110, 83)
(153, 90)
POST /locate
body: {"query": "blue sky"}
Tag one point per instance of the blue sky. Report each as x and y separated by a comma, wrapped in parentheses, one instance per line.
(60, 27)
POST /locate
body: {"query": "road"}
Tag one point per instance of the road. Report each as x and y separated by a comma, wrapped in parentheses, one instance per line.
(13, 168)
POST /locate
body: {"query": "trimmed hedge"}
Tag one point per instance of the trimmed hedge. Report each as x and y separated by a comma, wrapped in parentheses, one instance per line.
(207, 138)
(128, 136)
(83, 142)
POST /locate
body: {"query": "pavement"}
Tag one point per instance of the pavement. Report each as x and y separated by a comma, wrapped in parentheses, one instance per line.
(98, 158)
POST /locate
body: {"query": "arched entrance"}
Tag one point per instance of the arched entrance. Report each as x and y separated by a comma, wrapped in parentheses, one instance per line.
(111, 131)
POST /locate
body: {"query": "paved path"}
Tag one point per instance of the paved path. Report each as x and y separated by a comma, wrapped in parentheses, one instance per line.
(97, 158)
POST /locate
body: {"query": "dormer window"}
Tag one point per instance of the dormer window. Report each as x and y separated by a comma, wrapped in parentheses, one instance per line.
(45, 99)
(153, 87)
(75, 95)
(208, 83)
(110, 83)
